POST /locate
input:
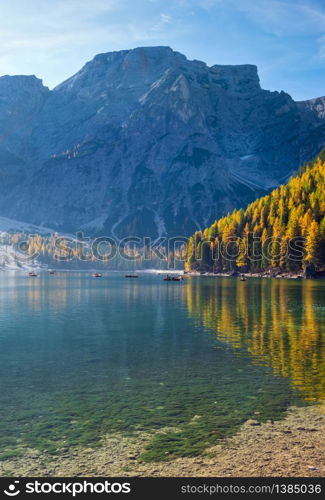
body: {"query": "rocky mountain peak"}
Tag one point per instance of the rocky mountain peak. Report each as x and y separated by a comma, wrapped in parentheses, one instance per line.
(133, 67)
(21, 81)
(243, 77)
(21, 100)
(147, 142)
(26, 90)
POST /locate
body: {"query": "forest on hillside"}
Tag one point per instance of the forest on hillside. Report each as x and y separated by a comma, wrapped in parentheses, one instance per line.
(283, 231)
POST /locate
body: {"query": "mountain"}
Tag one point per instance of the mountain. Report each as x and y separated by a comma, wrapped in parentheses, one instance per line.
(146, 142)
(283, 231)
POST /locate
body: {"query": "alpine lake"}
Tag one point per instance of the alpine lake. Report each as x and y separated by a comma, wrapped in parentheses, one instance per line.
(81, 358)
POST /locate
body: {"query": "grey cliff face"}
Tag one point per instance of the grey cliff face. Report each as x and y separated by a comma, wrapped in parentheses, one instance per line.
(21, 99)
(146, 142)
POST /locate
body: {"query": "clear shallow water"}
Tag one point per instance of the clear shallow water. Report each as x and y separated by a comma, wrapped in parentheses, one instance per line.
(80, 357)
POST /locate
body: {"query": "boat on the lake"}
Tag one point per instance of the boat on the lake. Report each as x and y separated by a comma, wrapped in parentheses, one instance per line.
(32, 274)
(243, 278)
(173, 278)
(131, 276)
(97, 275)
(51, 271)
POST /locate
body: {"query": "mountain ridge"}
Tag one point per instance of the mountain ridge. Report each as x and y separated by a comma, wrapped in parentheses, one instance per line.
(145, 142)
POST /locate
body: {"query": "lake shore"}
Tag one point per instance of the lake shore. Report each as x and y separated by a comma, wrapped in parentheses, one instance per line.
(291, 447)
(273, 275)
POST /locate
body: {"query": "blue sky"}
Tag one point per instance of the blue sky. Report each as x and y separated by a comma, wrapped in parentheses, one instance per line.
(284, 38)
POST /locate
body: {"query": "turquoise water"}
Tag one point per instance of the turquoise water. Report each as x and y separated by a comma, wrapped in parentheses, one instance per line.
(80, 357)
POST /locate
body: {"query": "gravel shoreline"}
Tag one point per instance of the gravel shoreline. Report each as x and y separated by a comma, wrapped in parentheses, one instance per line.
(291, 447)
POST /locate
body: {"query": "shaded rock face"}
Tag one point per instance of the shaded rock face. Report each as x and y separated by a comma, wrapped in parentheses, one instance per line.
(146, 142)
(21, 100)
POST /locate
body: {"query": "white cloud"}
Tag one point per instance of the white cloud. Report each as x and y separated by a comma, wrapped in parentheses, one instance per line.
(164, 21)
(278, 17)
(321, 49)
(282, 18)
(49, 24)
(165, 18)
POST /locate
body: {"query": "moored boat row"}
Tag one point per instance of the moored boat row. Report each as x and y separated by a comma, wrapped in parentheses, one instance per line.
(33, 274)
